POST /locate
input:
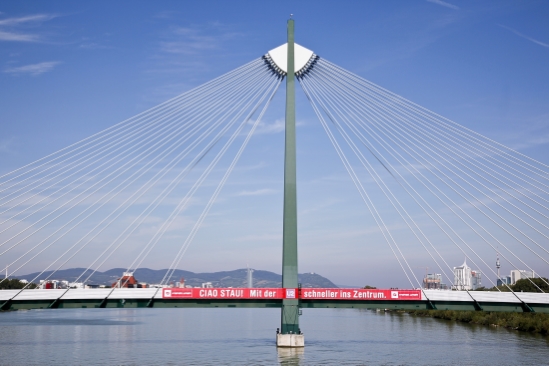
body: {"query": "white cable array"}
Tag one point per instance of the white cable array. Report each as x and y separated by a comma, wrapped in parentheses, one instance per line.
(88, 187)
(335, 93)
(379, 181)
(175, 213)
(353, 103)
(148, 185)
(420, 241)
(220, 186)
(144, 252)
(151, 127)
(397, 130)
(118, 172)
(100, 136)
(147, 133)
(365, 197)
(153, 142)
(442, 122)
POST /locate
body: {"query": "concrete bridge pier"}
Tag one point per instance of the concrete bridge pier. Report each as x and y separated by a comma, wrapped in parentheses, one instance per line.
(290, 340)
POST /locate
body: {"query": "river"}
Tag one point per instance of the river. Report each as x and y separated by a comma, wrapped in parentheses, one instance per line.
(246, 337)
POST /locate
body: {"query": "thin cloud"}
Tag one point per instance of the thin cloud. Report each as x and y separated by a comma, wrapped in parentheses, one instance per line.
(26, 19)
(443, 3)
(33, 69)
(166, 14)
(191, 41)
(268, 128)
(543, 44)
(16, 36)
(277, 126)
(187, 48)
(93, 46)
(258, 192)
(534, 132)
(182, 49)
(260, 238)
(536, 141)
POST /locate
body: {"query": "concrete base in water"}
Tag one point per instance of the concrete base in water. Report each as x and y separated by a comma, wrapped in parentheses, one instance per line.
(290, 340)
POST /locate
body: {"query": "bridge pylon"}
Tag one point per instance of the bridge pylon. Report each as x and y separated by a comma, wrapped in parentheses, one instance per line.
(290, 333)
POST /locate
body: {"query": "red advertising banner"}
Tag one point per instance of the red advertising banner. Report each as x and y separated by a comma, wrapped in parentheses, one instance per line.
(358, 294)
(229, 293)
(289, 293)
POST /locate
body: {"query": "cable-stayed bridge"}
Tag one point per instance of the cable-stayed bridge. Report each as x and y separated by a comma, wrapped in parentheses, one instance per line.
(447, 185)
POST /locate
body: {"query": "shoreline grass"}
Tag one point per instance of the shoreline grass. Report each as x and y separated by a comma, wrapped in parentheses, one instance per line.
(525, 322)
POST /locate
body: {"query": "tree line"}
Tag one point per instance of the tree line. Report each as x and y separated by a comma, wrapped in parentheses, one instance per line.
(16, 284)
(522, 285)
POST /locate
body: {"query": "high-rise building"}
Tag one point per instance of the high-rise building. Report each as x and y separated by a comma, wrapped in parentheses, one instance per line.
(476, 279)
(433, 281)
(504, 281)
(466, 278)
(518, 274)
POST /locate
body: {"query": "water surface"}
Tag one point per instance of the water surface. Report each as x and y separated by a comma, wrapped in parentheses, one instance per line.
(246, 337)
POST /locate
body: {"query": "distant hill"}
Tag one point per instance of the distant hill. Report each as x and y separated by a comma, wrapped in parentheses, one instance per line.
(236, 278)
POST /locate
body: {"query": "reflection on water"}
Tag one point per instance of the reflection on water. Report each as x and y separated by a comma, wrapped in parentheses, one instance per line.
(290, 356)
(247, 336)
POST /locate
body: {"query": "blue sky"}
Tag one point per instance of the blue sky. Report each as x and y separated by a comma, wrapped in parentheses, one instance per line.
(70, 69)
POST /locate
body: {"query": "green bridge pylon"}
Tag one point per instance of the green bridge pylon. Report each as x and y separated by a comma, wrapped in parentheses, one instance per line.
(290, 307)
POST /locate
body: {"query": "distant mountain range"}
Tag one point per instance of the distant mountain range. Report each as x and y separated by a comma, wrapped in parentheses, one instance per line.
(236, 278)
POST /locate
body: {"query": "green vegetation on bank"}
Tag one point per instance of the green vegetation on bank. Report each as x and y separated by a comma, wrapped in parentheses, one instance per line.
(523, 285)
(527, 322)
(15, 284)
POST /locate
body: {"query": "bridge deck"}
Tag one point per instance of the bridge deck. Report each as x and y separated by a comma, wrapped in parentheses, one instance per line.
(136, 298)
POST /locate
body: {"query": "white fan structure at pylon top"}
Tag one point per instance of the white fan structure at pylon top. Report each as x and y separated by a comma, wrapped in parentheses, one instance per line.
(278, 58)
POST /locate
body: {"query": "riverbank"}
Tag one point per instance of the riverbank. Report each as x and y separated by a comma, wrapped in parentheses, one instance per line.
(526, 322)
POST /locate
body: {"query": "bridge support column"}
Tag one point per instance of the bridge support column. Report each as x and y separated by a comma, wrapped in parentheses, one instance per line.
(289, 335)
